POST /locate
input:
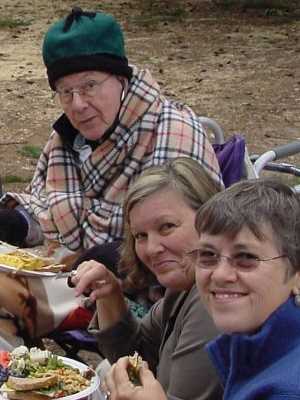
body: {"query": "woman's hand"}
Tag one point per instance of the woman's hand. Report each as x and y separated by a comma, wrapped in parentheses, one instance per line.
(101, 285)
(117, 385)
(96, 280)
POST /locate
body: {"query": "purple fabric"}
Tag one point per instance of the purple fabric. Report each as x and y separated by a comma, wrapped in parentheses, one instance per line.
(231, 159)
(79, 335)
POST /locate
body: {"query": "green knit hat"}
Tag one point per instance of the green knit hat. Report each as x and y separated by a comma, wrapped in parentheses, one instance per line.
(84, 41)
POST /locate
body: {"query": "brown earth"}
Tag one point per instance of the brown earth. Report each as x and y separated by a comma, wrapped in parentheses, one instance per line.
(241, 68)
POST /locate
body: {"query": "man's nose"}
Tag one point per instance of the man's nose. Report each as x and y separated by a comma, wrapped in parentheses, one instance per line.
(78, 101)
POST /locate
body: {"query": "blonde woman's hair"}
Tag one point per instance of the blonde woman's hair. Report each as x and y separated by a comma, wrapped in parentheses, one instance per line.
(184, 175)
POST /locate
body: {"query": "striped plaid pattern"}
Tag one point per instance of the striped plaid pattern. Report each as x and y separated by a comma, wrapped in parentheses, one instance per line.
(80, 204)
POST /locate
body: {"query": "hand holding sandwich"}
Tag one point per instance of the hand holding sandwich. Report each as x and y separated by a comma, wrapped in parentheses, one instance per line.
(118, 385)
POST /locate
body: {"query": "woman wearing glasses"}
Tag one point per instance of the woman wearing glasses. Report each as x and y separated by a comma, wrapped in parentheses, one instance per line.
(247, 267)
(159, 212)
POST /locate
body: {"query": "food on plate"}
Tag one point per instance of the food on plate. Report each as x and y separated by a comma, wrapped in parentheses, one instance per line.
(36, 374)
(4, 358)
(26, 396)
(135, 363)
(26, 384)
(21, 259)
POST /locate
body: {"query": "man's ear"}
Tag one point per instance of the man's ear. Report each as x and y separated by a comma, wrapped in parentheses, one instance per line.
(124, 83)
(122, 80)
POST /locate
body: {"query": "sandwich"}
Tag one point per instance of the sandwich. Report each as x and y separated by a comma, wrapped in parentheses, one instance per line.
(26, 396)
(32, 388)
(133, 369)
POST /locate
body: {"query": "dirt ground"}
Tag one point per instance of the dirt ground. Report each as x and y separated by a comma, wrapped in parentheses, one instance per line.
(241, 68)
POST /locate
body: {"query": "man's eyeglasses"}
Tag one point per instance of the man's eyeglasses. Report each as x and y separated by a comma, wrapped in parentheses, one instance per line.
(243, 261)
(88, 89)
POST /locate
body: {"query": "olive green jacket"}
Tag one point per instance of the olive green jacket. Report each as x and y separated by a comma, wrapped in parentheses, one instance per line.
(171, 338)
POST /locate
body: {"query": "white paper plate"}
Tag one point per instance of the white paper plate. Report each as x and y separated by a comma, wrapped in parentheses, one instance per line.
(84, 394)
(25, 272)
(95, 381)
(6, 248)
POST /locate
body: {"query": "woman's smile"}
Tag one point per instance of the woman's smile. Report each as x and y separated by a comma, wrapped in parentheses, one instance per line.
(225, 296)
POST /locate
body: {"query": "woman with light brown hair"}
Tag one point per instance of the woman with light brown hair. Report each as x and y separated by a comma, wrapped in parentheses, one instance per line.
(159, 214)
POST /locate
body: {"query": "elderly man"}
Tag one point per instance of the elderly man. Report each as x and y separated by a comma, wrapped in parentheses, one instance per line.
(115, 123)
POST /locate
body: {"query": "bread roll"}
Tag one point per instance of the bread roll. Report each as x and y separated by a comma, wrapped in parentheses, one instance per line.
(26, 396)
(25, 384)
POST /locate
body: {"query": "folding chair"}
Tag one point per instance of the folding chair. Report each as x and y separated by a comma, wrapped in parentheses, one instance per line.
(232, 154)
(229, 154)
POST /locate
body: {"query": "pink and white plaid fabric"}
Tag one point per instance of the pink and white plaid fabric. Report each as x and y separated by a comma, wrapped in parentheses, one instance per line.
(80, 204)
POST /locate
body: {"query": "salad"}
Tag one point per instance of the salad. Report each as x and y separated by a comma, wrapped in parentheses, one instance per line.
(39, 374)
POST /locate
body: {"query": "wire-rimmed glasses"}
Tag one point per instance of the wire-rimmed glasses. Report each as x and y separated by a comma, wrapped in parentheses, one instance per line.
(86, 90)
(242, 261)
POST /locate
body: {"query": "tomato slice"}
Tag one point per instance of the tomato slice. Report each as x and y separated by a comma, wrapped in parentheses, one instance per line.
(4, 358)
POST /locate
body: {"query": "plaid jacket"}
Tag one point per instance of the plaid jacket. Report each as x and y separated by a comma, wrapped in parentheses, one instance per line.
(79, 203)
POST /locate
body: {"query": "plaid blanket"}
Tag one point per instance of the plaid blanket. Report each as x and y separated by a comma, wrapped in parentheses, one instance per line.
(78, 203)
